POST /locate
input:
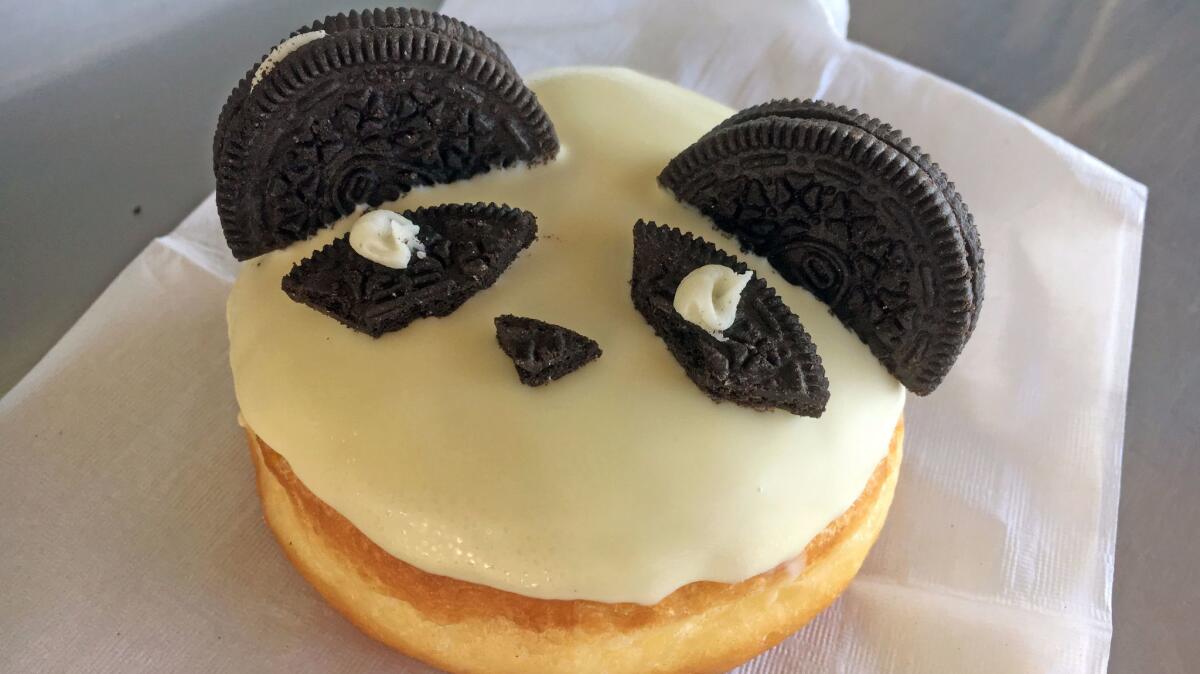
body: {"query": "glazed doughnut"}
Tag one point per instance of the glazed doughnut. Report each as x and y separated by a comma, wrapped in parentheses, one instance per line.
(465, 627)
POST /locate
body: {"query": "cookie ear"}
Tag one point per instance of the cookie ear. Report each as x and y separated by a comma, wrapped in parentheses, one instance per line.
(844, 206)
(895, 139)
(382, 103)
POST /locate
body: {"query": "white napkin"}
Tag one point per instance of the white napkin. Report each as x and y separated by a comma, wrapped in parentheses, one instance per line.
(131, 538)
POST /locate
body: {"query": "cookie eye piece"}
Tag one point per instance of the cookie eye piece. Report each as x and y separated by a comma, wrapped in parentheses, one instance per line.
(449, 253)
(387, 238)
(761, 358)
(708, 296)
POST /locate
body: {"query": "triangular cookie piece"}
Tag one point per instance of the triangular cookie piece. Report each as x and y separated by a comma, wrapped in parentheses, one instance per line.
(541, 351)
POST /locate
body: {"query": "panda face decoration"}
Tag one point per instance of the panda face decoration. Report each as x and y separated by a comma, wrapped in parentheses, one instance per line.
(357, 111)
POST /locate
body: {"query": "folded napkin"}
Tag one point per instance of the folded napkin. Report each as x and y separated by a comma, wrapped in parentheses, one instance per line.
(131, 536)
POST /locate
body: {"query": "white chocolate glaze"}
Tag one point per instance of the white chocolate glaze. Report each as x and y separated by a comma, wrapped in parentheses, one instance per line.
(621, 482)
(708, 297)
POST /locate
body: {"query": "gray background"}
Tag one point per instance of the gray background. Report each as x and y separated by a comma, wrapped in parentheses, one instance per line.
(106, 127)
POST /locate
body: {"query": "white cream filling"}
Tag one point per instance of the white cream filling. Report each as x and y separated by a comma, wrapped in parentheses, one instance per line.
(621, 482)
(386, 237)
(281, 51)
(708, 297)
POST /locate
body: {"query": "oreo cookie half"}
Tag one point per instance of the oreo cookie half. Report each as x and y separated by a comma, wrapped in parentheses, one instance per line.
(847, 208)
(813, 109)
(467, 247)
(765, 360)
(541, 351)
(392, 17)
(386, 101)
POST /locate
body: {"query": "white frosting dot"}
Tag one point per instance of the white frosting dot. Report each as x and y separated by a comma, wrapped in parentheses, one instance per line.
(280, 51)
(709, 296)
(386, 237)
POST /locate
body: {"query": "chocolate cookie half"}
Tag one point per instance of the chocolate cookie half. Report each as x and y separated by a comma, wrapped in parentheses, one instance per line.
(844, 206)
(764, 360)
(391, 17)
(381, 102)
(814, 109)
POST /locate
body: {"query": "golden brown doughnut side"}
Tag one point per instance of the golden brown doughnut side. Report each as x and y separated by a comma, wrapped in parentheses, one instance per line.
(466, 627)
